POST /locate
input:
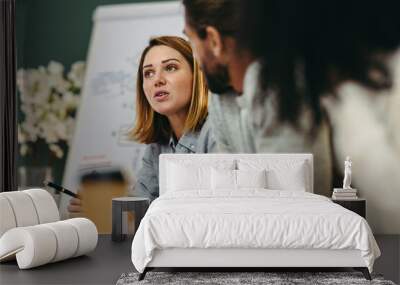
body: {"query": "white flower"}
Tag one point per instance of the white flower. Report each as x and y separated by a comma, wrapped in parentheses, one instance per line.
(48, 102)
(71, 101)
(61, 130)
(49, 134)
(30, 130)
(21, 135)
(77, 73)
(21, 80)
(28, 81)
(23, 149)
(55, 68)
(61, 85)
(56, 150)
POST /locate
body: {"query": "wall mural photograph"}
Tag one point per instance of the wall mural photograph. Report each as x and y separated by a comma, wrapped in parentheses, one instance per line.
(145, 139)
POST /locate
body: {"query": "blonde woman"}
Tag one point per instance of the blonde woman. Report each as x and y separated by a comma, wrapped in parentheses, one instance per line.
(171, 109)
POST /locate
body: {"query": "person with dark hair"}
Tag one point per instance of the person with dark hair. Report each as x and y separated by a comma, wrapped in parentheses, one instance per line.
(312, 62)
(348, 55)
(329, 42)
(247, 116)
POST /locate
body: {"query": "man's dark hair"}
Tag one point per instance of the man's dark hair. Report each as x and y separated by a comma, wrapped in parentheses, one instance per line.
(308, 48)
(217, 13)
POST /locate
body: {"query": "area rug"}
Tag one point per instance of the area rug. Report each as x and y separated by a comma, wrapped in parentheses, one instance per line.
(243, 278)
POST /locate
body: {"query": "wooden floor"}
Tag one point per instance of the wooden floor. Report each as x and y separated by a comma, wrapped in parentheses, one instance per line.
(110, 260)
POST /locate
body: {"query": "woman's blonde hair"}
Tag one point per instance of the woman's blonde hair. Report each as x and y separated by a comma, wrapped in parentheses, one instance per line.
(152, 127)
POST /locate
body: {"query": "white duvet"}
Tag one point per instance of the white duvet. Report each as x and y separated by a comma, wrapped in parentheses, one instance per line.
(252, 218)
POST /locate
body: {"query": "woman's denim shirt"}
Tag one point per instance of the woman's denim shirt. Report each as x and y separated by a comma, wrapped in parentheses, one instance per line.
(147, 185)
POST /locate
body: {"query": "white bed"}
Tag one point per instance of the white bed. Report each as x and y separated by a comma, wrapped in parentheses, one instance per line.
(215, 211)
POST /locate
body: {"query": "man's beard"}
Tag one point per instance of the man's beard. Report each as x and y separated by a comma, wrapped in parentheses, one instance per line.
(218, 81)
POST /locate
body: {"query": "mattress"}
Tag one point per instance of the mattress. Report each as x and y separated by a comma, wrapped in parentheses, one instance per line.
(251, 219)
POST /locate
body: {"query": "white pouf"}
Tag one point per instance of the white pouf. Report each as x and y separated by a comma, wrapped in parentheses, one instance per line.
(41, 244)
(31, 232)
(33, 246)
(23, 208)
(45, 205)
(7, 220)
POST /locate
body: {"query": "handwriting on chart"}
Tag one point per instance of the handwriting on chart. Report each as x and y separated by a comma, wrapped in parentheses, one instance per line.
(113, 84)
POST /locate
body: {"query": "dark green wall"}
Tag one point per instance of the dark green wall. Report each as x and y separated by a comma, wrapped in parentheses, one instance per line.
(54, 30)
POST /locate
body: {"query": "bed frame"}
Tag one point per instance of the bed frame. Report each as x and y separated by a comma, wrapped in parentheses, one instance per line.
(242, 259)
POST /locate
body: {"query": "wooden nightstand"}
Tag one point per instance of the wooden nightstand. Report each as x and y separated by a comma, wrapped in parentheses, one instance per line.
(356, 205)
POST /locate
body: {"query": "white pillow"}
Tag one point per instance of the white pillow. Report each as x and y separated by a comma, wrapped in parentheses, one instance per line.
(181, 177)
(223, 179)
(192, 174)
(293, 179)
(227, 179)
(282, 174)
(251, 178)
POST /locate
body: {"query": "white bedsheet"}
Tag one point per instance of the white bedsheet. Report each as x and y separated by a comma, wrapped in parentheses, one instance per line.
(252, 218)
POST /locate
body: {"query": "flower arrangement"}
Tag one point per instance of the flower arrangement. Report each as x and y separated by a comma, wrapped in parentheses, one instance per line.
(48, 102)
